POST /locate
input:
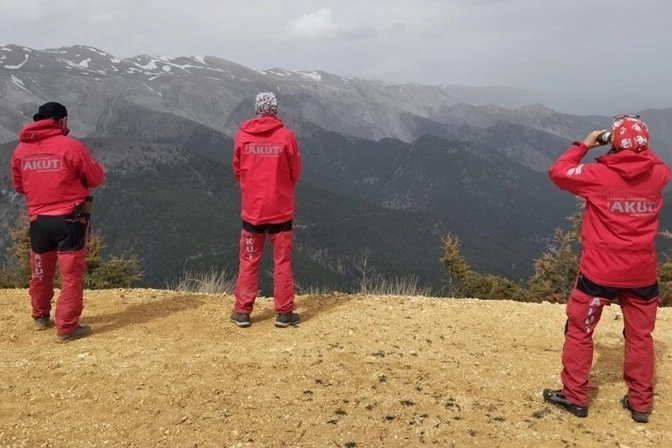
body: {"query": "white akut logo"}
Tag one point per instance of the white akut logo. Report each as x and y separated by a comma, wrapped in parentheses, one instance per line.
(575, 170)
(249, 247)
(633, 207)
(264, 149)
(38, 269)
(54, 163)
(594, 307)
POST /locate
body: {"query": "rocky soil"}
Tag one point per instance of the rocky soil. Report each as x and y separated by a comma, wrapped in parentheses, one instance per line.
(167, 369)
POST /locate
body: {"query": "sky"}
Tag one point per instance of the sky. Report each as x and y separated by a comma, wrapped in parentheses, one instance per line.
(568, 47)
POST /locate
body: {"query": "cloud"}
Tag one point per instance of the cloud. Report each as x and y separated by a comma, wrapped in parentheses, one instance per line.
(399, 27)
(321, 25)
(104, 18)
(317, 25)
(20, 10)
(359, 32)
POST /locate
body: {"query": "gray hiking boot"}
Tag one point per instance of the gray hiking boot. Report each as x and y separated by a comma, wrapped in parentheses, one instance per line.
(41, 323)
(241, 319)
(557, 398)
(80, 332)
(639, 417)
(284, 320)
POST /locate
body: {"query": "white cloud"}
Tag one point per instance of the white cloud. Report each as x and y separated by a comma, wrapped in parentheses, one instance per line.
(321, 25)
(20, 9)
(104, 18)
(314, 26)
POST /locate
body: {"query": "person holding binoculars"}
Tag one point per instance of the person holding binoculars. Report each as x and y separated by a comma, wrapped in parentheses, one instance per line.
(623, 197)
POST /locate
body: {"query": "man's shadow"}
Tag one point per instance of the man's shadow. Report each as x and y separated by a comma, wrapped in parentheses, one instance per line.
(143, 312)
(608, 368)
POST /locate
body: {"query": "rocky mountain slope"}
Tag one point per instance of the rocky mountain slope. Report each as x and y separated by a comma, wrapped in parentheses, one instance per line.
(207, 90)
(419, 159)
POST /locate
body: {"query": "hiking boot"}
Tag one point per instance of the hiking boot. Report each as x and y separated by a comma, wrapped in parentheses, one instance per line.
(41, 323)
(284, 320)
(80, 332)
(555, 397)
(639, 417)
(241, 319)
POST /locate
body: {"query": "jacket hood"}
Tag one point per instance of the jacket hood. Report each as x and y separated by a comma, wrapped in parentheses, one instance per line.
(40, 130)
(261, 125)
(629, 164)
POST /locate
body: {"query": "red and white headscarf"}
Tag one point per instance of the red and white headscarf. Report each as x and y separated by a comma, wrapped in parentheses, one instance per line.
(629, 133)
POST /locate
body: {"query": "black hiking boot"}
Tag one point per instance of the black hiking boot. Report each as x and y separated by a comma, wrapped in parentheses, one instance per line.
(555, 397)
(639, 417)
(284, 320)
(80, 332)
(41, 323)
(241, 319)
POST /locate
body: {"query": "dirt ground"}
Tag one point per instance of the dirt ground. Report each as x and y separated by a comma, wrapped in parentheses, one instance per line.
(167, 369)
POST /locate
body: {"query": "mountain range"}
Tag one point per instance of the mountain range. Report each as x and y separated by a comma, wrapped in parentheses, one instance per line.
(388, 168)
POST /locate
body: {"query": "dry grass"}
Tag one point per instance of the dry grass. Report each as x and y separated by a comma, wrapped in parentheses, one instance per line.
(205, 282)
(408, 286)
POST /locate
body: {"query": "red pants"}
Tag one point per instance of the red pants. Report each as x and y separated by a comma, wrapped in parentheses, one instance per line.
(247, 283)
(58, 239)
(639, 318)
(71, 300)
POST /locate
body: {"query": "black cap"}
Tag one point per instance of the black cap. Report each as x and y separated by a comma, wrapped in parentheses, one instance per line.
(52, 110)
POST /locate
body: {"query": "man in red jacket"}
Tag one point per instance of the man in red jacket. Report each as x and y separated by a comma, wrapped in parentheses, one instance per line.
(55, 173)
(267, 164)
(623, 194)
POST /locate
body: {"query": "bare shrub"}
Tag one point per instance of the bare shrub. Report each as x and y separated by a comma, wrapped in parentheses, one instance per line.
(408, 285)
(211, 281)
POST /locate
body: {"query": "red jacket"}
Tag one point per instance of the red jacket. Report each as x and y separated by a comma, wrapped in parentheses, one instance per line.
(53, 171)
(623, 193)
(267, 164)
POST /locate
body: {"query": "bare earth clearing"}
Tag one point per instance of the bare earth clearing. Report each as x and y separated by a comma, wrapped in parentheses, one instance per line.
(166, 369)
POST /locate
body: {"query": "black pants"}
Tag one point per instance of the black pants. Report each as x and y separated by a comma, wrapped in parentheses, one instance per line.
(593, 289)
(62, 233)
(270, 228)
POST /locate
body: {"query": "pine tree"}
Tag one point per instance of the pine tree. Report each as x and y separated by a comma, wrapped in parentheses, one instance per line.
(17, 274)
(114, 272)
(665, 274)
(555, 271)
(474, 284)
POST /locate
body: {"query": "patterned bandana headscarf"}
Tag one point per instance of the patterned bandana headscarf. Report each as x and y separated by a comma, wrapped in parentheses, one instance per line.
(266, 104)
(629, 132)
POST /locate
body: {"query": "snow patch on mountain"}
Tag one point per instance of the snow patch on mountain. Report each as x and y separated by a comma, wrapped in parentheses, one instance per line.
(19, 83)
(160, 65)
(285, 73)
(16, 67)
(151, 65)
(312, 75)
